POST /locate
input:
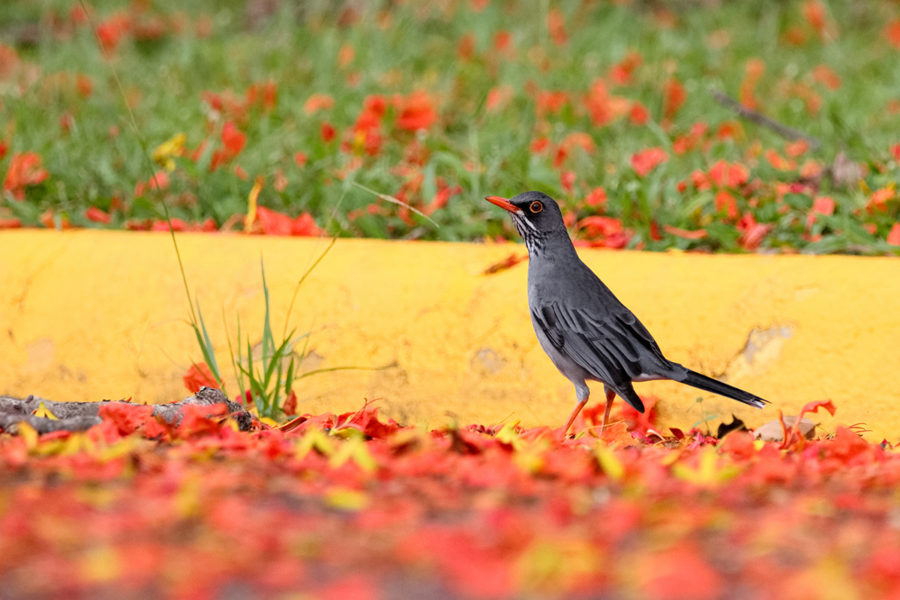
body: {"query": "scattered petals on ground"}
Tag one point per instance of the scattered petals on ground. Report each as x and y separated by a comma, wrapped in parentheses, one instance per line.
(358, 504)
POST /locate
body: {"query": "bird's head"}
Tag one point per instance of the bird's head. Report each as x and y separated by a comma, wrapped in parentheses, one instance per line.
(535, 215)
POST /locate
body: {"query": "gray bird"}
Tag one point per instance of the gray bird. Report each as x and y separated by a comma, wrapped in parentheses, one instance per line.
(581, 325)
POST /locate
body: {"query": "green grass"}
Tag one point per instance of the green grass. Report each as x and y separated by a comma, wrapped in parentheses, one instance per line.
(398, 49)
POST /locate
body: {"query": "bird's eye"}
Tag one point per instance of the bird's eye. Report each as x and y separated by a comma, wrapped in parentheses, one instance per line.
(536, 207)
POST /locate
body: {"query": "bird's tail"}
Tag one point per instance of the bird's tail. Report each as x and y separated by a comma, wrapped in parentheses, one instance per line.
(723, 389)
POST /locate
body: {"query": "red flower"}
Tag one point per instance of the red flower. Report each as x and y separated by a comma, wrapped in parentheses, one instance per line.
(272, 222)
(300, 158)
(416, 112)
(892, 33)
(752, 73)
(24, 170)
(96, 215)
(233, 141)
(197, 376)
(732, 175)
(823, 205)
(503, 41)
(878, 201)
(606, 232)
(752, 233)
(827, 77)
(675, 96)
(550, 102)
(556, 25)
(567, 181)
(317, 102)
(620, 73)
(111, 31)
(725, 201)
(208, 225)
(646, 160)
(596, 198)
(264, 94)
(12, 223)
(893, 237)
(603, 107)
(327, 131)
(639, 115)
(499, 97)
(159, 182)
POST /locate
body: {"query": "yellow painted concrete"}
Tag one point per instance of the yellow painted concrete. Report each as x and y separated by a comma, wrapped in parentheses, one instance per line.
(91, 315)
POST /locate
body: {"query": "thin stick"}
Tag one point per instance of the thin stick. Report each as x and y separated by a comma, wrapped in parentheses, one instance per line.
(784, 131)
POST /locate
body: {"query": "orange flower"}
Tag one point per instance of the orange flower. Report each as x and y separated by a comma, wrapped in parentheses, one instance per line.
(603, 107)
(233, 141)
(317, 102)
(779, 162)
(567, 181)
(550, 102)
(417, 111)
(880, 198)
(576, 139)
(753, 71)
(639, 115)
(752, 233)
(556, 26)
(827, 77)
(596, 198)
(503, 41)
(726, 202)
(24, 170)
(159, 182)
(731, 175)
(815, 14)
(823, 205)
(620, 73)
(605, 232)
(646, 160)
(892, 33)
(111, 31)
(272, 222)
(499, 97)
(96, 215)
(198, 376)
(893, 237)
(675, 96)
(264, 94)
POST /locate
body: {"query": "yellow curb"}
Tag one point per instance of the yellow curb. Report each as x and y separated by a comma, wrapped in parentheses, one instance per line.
(91, 315)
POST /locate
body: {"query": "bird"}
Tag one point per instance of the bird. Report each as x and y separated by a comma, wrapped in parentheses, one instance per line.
(581, 325)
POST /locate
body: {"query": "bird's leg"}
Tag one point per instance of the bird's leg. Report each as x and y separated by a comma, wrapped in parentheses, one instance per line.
(610, 396)
(583, 393)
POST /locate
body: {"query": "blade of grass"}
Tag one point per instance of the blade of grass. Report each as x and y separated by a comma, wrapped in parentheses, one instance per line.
(396, 201)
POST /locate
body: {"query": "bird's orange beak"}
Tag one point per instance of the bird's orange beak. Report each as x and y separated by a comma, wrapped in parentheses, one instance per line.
(502, 203)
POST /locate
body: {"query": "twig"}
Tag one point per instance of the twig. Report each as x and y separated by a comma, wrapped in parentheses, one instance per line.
(760, 119)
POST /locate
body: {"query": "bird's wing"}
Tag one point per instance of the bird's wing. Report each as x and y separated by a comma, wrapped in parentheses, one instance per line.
(615, 348)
